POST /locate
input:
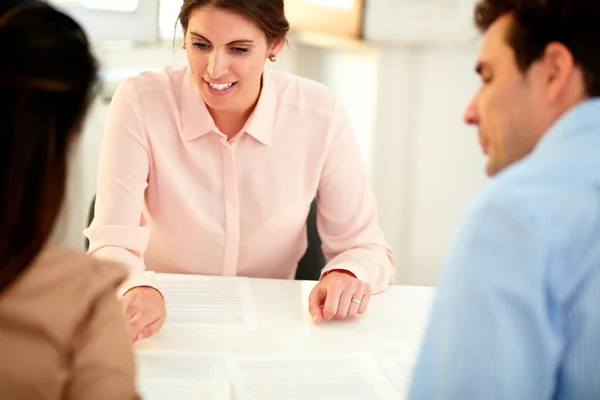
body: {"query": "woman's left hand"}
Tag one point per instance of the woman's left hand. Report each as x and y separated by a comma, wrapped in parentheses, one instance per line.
(338, 295)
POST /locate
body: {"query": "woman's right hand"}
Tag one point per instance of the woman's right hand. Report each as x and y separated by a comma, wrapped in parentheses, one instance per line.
(145, 311)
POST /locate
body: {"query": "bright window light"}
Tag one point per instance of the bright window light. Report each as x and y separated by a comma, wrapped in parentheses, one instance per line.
(167, 16)
(343, 4)
(112, 5)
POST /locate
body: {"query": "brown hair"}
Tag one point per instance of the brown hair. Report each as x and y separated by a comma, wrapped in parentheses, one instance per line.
(46, 86)
(268, 15)
(536, 23)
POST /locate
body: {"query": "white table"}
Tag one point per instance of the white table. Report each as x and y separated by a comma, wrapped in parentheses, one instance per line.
(392, 327)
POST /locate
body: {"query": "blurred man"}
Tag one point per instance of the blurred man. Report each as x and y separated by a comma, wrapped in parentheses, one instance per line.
(517, 312)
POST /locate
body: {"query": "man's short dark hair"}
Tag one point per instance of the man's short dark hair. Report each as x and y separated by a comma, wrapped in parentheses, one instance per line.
(536, 23)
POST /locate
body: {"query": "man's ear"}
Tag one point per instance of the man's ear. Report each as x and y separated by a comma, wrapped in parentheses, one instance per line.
(559, 66)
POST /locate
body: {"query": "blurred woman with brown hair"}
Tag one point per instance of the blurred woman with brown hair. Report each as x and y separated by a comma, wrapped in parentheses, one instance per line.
(62, 333)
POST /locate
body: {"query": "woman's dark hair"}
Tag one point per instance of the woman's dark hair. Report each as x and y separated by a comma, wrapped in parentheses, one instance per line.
(47, 80)
(268, 15)
(536, 23)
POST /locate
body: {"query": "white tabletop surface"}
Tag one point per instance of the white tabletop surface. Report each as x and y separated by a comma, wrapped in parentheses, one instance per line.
(392, 327)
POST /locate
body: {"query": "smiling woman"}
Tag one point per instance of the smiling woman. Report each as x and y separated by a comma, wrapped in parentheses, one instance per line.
(226, 55)
(212, 169)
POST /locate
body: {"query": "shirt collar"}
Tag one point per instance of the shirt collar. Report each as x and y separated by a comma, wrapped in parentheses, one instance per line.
(261, 121)
(197, 121)
(583, 118)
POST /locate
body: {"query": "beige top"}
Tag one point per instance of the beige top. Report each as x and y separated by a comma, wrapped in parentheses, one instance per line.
(62, 332)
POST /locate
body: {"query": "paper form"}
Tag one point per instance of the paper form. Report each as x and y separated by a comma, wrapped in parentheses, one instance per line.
(209, 302)
(167, 375)
(309, 377)
(399, 373)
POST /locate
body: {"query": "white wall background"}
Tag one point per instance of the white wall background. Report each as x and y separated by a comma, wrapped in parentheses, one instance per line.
(405, 91)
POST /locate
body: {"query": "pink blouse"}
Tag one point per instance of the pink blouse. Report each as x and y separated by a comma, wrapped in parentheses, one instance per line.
(174, 195)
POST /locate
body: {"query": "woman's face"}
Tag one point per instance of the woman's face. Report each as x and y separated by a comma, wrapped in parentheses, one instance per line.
(226, 54)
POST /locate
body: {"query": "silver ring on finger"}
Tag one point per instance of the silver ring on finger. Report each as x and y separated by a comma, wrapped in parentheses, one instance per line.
(356, 301)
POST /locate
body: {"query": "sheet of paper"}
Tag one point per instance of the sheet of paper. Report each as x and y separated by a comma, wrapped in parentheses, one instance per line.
(167, 375)
(399, 373)
(354, 376)
(208, 302)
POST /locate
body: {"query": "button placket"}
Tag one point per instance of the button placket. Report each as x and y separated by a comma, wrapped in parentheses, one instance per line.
(231, 210)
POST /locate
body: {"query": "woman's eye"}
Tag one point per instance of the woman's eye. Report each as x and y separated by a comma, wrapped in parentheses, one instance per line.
(240, 50)
(200, 45)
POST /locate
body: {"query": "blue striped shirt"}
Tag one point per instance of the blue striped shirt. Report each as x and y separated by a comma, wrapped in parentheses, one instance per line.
(517, 309)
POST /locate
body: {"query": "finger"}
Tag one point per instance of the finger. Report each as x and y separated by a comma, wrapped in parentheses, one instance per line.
(332, 300)
(317, 315)
(132, 305)
(315, 304)
(355, 303)
(365, 301)
(138, 323)
(345, 303)
(150, 319)
(151, 329)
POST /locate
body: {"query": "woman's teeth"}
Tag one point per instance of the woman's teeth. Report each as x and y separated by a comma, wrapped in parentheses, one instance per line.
(220, 86)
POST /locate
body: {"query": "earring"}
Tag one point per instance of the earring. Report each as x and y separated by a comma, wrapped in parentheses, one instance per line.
(183, 47)
(272, 58)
